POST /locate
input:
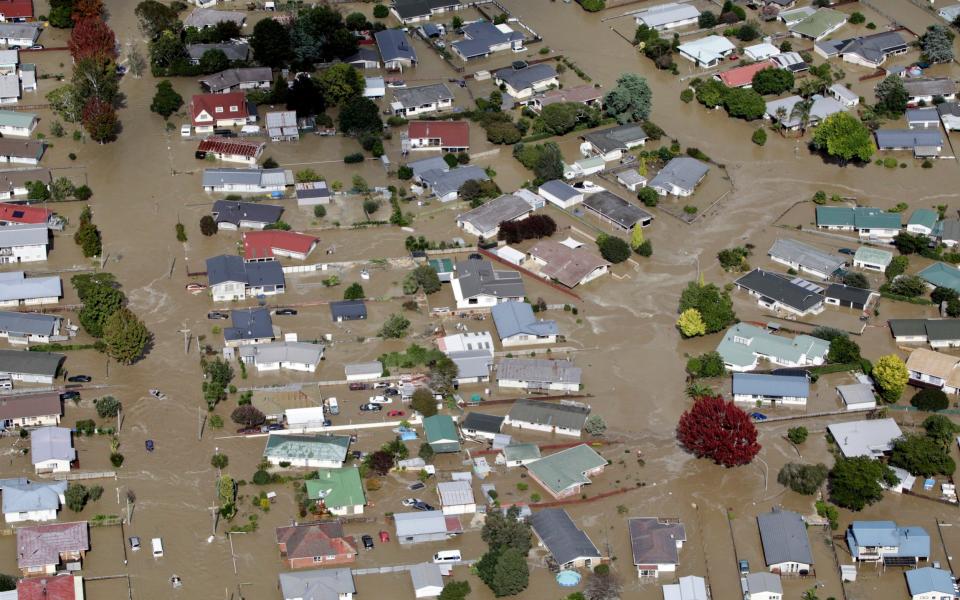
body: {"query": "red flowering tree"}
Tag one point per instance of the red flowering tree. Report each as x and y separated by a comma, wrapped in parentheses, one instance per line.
(84, 9)
(92, 38)
(100, 120)
(717, 429)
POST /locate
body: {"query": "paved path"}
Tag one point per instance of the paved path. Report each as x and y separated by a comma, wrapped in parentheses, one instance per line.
(401, 568)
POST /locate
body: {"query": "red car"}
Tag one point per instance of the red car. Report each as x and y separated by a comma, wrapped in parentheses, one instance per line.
(395, 413)
(384, 537)
(358, 386)
(248, 430)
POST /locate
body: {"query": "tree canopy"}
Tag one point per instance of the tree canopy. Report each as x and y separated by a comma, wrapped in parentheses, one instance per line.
(922, 455)
(802, 478)
(844, 137)
(855, 482)
(360, 116)
(271, 43)
(630, 99)
(772, 81)
(166, 100)
(937, 44)
(891, 96)
(125, 335)
(613, 248)
(341, 83)
(714, 305)
(719, 430)
(891, 375)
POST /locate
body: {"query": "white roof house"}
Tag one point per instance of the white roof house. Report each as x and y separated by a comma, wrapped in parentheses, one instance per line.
(865, 438)
(667, 16)
(761, 51)
(456, 497)
(708, 51)
(690, 587)
(427, 580)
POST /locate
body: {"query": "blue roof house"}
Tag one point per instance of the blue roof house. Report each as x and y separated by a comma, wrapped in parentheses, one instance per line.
(941, 275)
(250, 326)
(395, 49)
(923, 220)
(518, 326)
(931, 584)
(789, 390)
(884, 541)
(25, 500)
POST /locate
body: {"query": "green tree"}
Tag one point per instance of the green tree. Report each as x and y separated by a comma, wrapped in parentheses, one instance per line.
(154, 18)
(940, 429)
(856, 18)
(613, 248)
(709, 364)
(66, 103)
(648, 196)
(507, 531)
(842, 136)
(166, 100)
(511, 575)
(126, 336)
(380, 11)
(76, 497)
(426, 452)
(340, 83)
(595, 425)
(801, 478)
(910, 286)
(360, 116)
(37, 190)
(744, 103)
(354, 292)
(100, 302)
(219, 461)
(772, 81)
(61, 189)
(855, 482)
(711, 93)
(797, 435)
(691, 323)
(715, 306)
(166, 51)
(897, 266)
(891, 376)
(423, 402)
(559, 118)
(88, 238)
(629, 100)
(857, 280)
(427, 279)
(843, 350)
(937, 44)
(214, 61)
(930, 399)
(208, 226)
(395, 326)
(706, 20)
(454, 590)
(891, 96)
(248, 416)
(759, 137)
(7, 582)
(107, 406)
(443, 373)
(921, 455)
(271, 44)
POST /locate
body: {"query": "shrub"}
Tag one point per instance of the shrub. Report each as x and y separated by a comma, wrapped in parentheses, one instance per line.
(686, 96)
(208, 226)
(797, 435)
(356, 157)
(380, 11)
(613, 248)
(648, 196)
(759, 137)
(116, 459)
(857, 18)
(801, 478)
(107, 406)
(261, 477)
(930, 400)
(319, 211)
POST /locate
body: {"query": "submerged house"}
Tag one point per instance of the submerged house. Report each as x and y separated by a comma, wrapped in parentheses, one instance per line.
(885, 542)
(565, 473)
(786, 547)
(569, 546)
(656, 544)
(762, 388)
(743, 346)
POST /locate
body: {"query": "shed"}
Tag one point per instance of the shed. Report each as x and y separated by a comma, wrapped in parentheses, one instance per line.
(480, 425)
(456, 497)
(366, 371)
(427, 580)
(441, 433)
(348, 310)
(560, 193)
(857, 396)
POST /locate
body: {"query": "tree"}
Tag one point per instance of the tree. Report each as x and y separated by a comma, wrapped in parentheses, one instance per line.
(427, 279)
(380, 11)
(354, 292)
(76, 497)
(453, 590)
(797, 435)
(910, 286)
(648, 196)
(629, 100)
(940, 295)
(545, 160)
(613, 248)
(595, 425)
(691, 323)
(423, 402)
(248, 416)
(61, 13)
(443, 373)
(855, 482)
(891, 96)
(99, 303)
(711, 93)
(909, 243)
(394, 327)
(341, 83)
(842, 136)
(166, 52)
(319, 35)
(602, 584)
(220, 461)
(717, 429)
(305, 96)
(891, 376)
(7, 583)
(559, 118)
(930, 399)
(92, 38)
(706, 20)
(709, 364)
(801, 478)
(533, 227)
(360, 116)
(426, 452)
(166, 100)
(940, 429)
(504, 531)
(744, 103)
(100, 120)
(922, 455)
(271, 44)
(154, 18)
(937, 44)
(896, 267)
(88, 238)
(208, 226)
(107, 406)
(856, 18)
(857, 280)
(214, 61)
(380, 462)
(61, 189)
(714, 305)
(772, 81)
(37, 190)
(759, 137)
(511, 574)
(126, 336)
(843, 350)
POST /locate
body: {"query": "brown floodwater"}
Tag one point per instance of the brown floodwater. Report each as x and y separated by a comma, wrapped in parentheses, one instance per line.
(623, 336)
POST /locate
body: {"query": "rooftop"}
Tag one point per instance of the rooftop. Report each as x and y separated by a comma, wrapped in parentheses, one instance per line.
(489, 215)
(654, 541)
(321, 584)
(234, 77)
(873, 256)
(480, 422)
(743, 341)
(516, 318)
(38, 404)
(565, 416)
(941, 275)
(762, 384)
(619, 137)
(616, 209)
(307, 446)
(564, 540)
(742, 76)
(666, 14)
(805, 255)
(820, 23)
(323, 538)
(925, 86)
(234, 212)
(337, 487)
(42, 545)
(521, 79)
(249, 324)
(683, 172)
(538, 371)
(865, 438)
(784, 537)
(454, 493)
(478, 277)
(567, 468)
(794, 292)
(261, 244)
(421, 95)
(451, 133)
(395, 45)
(928, 580)
(34, 363)
(567, 265)
(205, 17)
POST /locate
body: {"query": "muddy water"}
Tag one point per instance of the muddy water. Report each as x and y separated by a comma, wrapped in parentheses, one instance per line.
(624, 336)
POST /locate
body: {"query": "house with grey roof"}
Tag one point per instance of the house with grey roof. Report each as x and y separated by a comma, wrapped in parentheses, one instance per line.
(612, 142)
(25, 500)
(202, 18)
(17, 124)
(18, 290)
(613, 209)
(872, 438)
(667, 16)
(232, 80)
(51, 449)
(412, 101)
(868, 51)
(656, 544)
(548, 417)
(560, 193)
(538, 374)
(231, 278)
(857, 396)
(804, 257)
(949, 115)
(786, 548)
(246, 181)
(744, 345)
(785, 112)
(27, 152)
(20, 34)
(427, 580)
(473, 366)
(847, 296)
(445, 184)
(321, 584)
(234, 51)
(426, 526)
(772, 390)
(569, 546)
(43, 549)
(947, 232)
(478, 285)
(926, 89)
(250, 326)
(680, 177)
(233, 214)
(483, 38)
(365, 58)
(518, 326)
(414, 11)
(312, 193)
(396, 50)
(776, 292)
(922, 142)
(30, 367)
(526, 81)
(939, 333)
(30, 410)
(844, 95)
(281, 126)
(484, 221)
(366, 371)
(923, 118)
(761, 586)
(24, 242)
(322, 451)
(479, 425)
(288, 355)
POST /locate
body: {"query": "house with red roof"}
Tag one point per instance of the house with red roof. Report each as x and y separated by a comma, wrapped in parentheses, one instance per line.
(315, 544)
(742, 77)
(16, 10)
(16, 214)
(41, 549)
(208, 111)
(274, 243)
(62, 587)
(446, 136)
(230, 150)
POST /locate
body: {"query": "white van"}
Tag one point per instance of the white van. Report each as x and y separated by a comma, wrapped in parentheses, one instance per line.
(185, 130)
(447, 556)
(157, 545)
(333, 407)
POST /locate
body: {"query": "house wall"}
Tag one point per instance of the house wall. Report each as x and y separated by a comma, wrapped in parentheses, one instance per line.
(266, 290)
(799, 267)
(868, 265)
(562, 204)
(344, 511)
(232, 188)
(465, 380)
(52, 466)
(230, 290)
(945, 344)
(306, 462)
(31, 377)
(312, 562)
(764, 596)
(31, 301)
(290, 366)
(540, 385)
(364, 376)
(540, 427)
(657, 569)
(923, 229)
(421, 538)
(771, 400)
(249, 342)
(573, 490)
(8, 130)
(523, 339)
(35, 421)
(427, 592)
(33, 515)
(479, 434)
(31, 253)
(22, 160)
(789, 567)
(43, 570)
(425, 108)
(459, 509)
(671, 189)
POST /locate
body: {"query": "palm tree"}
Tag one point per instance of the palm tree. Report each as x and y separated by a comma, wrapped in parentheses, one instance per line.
(699, 390)
(781, 114)
(801, 113)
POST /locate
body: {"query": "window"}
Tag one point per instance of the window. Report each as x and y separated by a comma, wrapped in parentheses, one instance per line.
(234, 108)
(218, 109)
(318, 559)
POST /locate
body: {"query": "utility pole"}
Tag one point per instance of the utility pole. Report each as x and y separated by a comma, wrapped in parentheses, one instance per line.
(199, 423)
(186, 340)
(119, 418)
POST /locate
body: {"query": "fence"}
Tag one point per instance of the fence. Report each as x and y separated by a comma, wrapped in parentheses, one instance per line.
(546, 282)
(616, 492)
(83, 476)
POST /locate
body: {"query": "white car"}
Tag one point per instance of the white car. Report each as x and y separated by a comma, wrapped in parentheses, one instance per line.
(380, 400)
(185, 130)
(588, 187)
(409, 501)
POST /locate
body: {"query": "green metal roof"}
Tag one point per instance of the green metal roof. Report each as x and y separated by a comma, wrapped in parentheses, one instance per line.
(820, 23)
(337, 487)
(312, 447)
(13, 118)
(737, 353)
(941, 275)
(925, 217)
(566, 468)
(873, 256)
(440, 429)
(835, 216)
(860, 217)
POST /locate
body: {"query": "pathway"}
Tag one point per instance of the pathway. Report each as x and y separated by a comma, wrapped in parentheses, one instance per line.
(401, 568)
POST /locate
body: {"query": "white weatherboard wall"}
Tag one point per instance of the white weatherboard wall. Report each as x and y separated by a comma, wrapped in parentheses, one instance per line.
(33, 515)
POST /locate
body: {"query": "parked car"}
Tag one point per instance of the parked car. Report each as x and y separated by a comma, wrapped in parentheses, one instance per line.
(367, 542)
(355, 387)
(285, 311)
(228, 133)
(80, 379)
(248, 430)
(757, 416)
(134, 543)
(416, 486)
(847, 251)
(409, 501)
(370, 407)
(70, 395)
(185, 130)
(271, 427)
(744, 567)
(395, 413)
(391, 392)
(380, 384)
(216, 314)
(149, 445)
(36, 47)
(380, 400)
(423, 506)
(327, 422)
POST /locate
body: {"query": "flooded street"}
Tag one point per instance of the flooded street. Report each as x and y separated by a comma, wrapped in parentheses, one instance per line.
(623, 337)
